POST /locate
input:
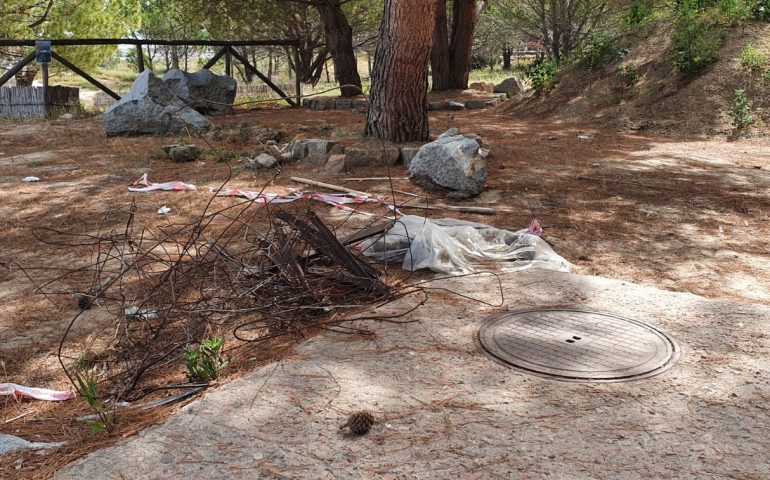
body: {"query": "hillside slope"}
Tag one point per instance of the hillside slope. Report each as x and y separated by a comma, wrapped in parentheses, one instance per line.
(662, 99)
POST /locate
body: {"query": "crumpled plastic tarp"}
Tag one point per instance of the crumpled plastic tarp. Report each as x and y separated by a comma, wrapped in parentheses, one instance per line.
(34, 392)
(10, 443)
(459, 247)
(143, 184)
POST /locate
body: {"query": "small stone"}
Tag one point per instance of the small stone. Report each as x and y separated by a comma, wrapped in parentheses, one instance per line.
(318, 104)
(438, 106)
(487, 87)
(475, 104)
(265, 160)
(67, 116)
(494, 102)
(182, 153)
(335, 164)
(372, 155)
(456, 106)
(510, 86)
(343, 103)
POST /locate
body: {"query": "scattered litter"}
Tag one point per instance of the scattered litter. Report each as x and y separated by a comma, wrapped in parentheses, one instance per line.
(164, 210)
(143, 184)
(459, 247)
(11, 443)
(584, 138)
(30, 179)
(136, 312)
(335, 199)
(19, 391)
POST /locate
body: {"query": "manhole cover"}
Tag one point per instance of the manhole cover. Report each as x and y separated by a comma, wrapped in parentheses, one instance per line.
(578, 345)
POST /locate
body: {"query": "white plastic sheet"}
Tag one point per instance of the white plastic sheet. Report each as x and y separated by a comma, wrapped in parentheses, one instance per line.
(459, 247)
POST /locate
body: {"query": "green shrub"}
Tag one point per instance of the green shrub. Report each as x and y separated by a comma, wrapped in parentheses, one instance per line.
(205, 363)
(696, 39)
(542, 74)
(766, 78)
(733, 12)
(638, 13)
(628, 77)
(761, 10)
(599, 50)
(752, 59)
(742, 112)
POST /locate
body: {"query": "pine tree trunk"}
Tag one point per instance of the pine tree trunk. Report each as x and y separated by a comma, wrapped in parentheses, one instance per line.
(399, 109)
(507, 52)
(439, 56)
(339, 39)
(464, 18)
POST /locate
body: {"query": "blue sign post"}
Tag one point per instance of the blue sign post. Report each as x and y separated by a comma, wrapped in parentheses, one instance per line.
(43, 51)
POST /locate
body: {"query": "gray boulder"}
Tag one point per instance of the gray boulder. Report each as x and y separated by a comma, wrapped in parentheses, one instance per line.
(207, 92)
(452, 161)
(151, 107)
(510, 86)
(265, 160)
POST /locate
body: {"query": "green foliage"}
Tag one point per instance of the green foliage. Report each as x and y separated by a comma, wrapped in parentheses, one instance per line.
(752, 59)
(542, 74)
(87, 386)
(696, 39)
(598, 50)
(205, 363)
(733, 12)
(637, 13)
(766, 78)
(628, 77)
(742, 112)
(761, 10)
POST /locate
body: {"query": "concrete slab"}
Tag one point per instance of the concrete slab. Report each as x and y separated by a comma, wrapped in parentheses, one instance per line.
(446, 410)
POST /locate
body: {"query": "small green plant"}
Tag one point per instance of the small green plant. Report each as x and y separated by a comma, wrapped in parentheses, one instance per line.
(742, 112)
(696, 39)
(637, 13)
(628, 77)
(542, 74)
(599, 50)
(87, 384)
(752, 59)
(205, 363)
(766, 78)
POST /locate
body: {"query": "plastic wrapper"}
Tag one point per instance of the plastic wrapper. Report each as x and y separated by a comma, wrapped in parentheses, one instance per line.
(460, 247)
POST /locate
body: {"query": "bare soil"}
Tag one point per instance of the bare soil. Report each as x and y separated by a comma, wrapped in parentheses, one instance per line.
(681, 213)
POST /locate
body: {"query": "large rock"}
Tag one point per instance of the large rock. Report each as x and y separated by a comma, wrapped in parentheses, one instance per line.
(207, 92)
(452, 161)
(510, 86)
(151, 107)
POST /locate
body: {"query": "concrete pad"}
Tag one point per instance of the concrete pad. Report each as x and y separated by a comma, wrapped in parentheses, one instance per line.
(446, 410)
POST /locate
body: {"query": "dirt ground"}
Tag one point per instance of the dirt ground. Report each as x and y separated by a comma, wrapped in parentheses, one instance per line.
(678, 213)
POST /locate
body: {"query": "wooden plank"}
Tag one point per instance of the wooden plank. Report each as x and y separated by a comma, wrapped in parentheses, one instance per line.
(330, 186)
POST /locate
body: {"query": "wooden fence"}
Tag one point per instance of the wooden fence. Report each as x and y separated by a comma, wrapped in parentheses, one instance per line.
(28, 102)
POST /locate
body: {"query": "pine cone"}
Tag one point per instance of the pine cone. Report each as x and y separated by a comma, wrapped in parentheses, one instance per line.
(360, 422)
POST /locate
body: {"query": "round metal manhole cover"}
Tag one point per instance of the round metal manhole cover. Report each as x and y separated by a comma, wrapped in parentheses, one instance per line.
(578, 345)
